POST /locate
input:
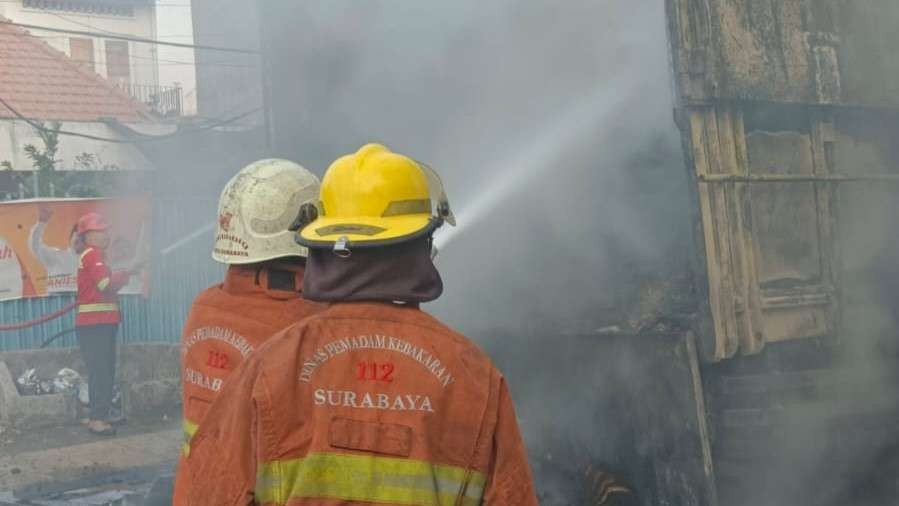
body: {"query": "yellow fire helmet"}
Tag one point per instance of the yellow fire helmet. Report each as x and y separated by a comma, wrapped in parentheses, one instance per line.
(375, 197)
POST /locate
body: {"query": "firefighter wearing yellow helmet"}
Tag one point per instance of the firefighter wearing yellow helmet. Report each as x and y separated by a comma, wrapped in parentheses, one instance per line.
(371, 401)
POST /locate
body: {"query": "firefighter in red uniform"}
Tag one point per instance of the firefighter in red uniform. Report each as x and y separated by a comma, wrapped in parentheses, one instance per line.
(98, 318)
(262, 292)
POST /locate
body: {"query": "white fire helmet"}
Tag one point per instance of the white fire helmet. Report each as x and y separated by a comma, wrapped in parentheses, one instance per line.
(258, 211)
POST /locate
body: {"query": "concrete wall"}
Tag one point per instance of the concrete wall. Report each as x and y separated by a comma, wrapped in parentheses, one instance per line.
(148, 375)
(144, 69)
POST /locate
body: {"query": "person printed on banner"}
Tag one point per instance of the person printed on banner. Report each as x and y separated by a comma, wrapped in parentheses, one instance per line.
(61, 264)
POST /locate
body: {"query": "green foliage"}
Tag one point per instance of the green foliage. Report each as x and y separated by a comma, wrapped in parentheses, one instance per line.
(44, 159)
(88, 181)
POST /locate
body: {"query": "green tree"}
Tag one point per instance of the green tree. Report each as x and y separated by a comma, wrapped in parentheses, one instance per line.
(89, 181)
(44, 159)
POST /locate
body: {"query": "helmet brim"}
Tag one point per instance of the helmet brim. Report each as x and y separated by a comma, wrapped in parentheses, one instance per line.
(367, 231)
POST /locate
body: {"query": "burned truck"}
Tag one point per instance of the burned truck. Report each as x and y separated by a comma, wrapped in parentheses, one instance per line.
(788, 116)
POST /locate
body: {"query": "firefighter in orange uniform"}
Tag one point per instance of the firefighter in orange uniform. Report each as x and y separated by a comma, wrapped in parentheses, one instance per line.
(371, 400)
(262, 291)
(97, 318)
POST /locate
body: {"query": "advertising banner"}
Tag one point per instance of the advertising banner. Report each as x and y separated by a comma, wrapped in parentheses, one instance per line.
(36, 239)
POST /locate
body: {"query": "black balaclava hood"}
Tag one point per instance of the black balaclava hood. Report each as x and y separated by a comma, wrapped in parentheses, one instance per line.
(399, 273)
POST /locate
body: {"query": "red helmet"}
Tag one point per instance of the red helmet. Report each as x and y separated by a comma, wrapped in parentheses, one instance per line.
(91, 222)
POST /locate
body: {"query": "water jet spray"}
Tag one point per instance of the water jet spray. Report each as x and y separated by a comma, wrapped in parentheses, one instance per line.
(579, 119)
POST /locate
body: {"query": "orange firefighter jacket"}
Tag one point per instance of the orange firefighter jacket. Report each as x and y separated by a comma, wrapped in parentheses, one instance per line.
(227, 323)
(363, 403)
(98, 287)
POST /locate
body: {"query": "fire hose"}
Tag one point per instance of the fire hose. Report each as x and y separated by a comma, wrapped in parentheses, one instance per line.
(37, 321)
(56, 336)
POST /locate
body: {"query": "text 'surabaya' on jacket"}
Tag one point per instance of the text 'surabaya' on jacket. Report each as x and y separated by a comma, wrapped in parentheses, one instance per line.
(98, 288)
(363, 403)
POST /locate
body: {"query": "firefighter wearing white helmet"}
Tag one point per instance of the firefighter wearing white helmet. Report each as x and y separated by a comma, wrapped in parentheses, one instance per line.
(258, 212)
(262, 291)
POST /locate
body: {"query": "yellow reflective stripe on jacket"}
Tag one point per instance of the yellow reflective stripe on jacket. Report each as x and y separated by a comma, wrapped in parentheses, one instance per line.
(103, 283)
(97, 308)
(367, 478)
(81, 257)
(189, 428)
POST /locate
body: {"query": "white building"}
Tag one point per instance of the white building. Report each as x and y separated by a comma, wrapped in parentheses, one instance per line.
(42, 84)
(132, 66)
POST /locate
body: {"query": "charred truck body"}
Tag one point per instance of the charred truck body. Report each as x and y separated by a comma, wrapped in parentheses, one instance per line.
(788, 114)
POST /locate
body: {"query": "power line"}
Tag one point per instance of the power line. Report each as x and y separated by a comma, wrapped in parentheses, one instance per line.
(79, 23)
(131, 39)
(37, 126)
(207, 126)
(119, 34)
(137, 57)
(145, 138)
(150, 62)
(208, 63)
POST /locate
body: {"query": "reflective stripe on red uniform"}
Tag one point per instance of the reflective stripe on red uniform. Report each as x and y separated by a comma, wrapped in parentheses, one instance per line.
(98, 286)
(363, 403)
(226, 323)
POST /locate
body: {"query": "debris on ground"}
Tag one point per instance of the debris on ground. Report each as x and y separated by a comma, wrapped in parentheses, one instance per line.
(28, 383)
(122, 494)
(104, 496)
(66, 381)
(67, 466)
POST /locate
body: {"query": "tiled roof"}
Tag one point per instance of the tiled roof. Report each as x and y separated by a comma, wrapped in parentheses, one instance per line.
(44, 84)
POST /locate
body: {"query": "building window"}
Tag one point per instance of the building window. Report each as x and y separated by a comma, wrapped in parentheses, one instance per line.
(118, 63)
(82, 52)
